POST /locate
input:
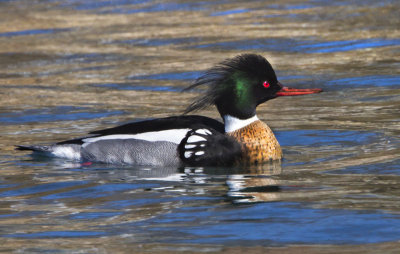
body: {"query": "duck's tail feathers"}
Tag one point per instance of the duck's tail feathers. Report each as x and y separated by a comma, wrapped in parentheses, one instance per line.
(43, 149)
(68, 151)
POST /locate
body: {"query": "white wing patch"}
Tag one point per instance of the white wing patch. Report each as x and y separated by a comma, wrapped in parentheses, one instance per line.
(193, 139)
(174, 136)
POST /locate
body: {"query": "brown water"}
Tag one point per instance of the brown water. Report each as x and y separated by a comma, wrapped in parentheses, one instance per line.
(71, 66)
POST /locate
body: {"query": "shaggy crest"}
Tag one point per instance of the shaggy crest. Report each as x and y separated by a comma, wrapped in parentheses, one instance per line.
(224, 76)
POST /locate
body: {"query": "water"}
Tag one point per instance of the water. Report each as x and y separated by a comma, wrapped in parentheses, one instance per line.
(70, 67)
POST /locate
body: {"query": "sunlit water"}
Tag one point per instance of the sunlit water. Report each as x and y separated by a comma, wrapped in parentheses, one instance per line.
(69, 67)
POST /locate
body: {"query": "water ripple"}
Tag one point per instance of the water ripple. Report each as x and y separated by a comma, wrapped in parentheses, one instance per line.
(59, 113)
(34, 32)
(290, 223)
(188, 75)
(97, 191)
(385, 168)
(57, 234)
(373, 80)
(316, 138)
(303, 46)
(40, 188)
(128, 86)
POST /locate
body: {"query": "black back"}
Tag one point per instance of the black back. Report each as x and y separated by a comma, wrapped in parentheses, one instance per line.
(159, 124)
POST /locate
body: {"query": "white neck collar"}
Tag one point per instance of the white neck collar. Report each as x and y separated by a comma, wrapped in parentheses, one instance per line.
(232, 123)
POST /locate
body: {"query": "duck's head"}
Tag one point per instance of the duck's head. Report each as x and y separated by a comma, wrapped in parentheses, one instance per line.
(238, 85)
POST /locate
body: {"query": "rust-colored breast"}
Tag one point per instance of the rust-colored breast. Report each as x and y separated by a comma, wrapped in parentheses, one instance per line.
(258, 142)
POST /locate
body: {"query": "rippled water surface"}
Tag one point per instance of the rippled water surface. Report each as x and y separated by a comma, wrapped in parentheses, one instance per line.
(71, 66)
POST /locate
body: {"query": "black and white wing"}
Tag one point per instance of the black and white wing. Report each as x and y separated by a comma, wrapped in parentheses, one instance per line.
(207, 147)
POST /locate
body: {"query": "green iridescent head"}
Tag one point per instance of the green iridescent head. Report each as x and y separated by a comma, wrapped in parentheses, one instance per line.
(237, 86)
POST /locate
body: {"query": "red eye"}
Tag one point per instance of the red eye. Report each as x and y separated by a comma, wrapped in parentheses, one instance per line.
(266, 84)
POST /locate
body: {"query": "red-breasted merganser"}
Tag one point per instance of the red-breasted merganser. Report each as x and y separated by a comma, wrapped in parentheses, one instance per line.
(236, 87)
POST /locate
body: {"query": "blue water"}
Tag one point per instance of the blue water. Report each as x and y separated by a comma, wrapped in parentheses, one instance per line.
(59, 113)
(304, 46)
(365, 81)
(127, 86)
(189, 75)
(280, 223)
(338, 181)
(386, 168)
(88, 5)
(208, 218)
(291, 6)
(89, 58)
(38, 189)
(32, 32)
(134, 6)
(166, 7)
(317, 138)
(158, 42)
(58, 234)
(230, 12)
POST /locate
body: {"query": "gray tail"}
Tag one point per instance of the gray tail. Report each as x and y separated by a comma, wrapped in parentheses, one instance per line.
(32, 148)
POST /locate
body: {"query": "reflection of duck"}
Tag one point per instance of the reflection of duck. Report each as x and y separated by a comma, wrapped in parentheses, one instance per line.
(255, 183)
(236, 86)
(250, 189)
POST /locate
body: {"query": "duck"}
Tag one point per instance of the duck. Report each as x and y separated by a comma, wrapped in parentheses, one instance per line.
(236, 86)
